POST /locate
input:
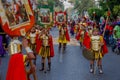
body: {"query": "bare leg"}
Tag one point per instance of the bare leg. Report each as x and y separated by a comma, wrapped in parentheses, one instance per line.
(32, 71)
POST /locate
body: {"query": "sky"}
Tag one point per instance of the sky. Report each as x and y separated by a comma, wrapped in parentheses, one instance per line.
(67, 4)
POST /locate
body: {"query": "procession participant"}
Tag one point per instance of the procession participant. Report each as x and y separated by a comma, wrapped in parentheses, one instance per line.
(116, 35)
(76, 28)
(32, 41)
(81, 33)
(72, 27)
(118, 45)
(96, 44)
(45, 49)
(63, 37)
(117, 31)
(16, 67)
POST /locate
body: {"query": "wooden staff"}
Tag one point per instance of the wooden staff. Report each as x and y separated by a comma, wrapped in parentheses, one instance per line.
(106, 23)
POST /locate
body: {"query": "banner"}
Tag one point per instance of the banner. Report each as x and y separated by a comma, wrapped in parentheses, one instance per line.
(16, 16)
(60, 17)
(45, 15)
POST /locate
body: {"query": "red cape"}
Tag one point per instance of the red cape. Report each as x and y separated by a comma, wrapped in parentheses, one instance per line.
(67, 35)
(77, 37)
(39, 44)
(86, 43)
(16, 69)
(51, 47)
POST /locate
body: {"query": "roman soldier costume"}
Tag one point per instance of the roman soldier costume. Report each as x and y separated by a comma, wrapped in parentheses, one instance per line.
(45, 48)
(96, 46)
(80, 35)
(63, 36)
(16, 67)
(32, 39)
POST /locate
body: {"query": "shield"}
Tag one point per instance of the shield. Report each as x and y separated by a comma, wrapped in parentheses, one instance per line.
(88, 54)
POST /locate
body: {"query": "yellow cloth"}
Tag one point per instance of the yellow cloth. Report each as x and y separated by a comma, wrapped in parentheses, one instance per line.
(62, 40)
(44, 51)
(98, 54)
(81, 39)
(24, 59)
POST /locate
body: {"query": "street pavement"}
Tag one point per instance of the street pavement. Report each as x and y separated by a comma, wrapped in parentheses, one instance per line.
(71, 65)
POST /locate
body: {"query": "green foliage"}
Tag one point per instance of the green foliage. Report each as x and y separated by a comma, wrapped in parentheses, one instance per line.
(82, 5)
(98, 13)
(116, 10)
(112, 5)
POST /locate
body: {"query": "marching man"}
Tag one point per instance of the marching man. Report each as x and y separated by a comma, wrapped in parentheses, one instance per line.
(80, 34)
(96, 44)
(45, 48)
(32, 39)
(16, 67)
(63, 37)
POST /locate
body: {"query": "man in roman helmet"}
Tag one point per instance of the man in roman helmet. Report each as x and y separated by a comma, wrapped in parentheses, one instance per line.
(96, 44)
(32, 41)
(45, 48)
(16, 68)
(80, 34)
(63, 36)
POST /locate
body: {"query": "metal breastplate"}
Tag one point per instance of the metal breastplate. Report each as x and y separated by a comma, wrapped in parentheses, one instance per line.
(95, 42)
(15, 47)
(45, 40)
(32, 37)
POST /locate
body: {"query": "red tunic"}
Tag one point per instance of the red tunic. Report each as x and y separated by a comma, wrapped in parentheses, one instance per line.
(67, 35)
(38, 43)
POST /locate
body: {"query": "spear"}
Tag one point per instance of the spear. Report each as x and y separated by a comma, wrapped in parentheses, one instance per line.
(108, 14)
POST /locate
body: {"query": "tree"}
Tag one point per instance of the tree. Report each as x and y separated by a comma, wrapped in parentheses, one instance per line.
(95, 13)
(116, 10)
(112, 5)
(52, 3)
(81, 5)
